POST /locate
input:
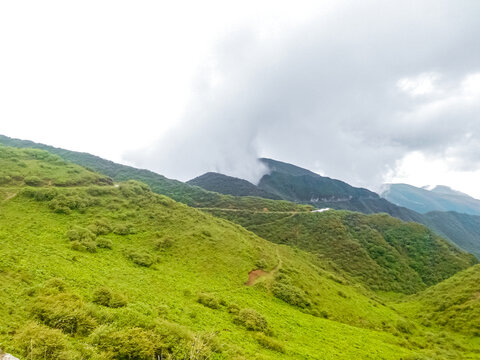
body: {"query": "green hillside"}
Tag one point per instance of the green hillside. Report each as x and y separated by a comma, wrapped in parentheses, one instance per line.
(382, 252)
(177, 190)
(453, 304)
(464, 228)
(91, 270)
(460, 229)
(299, 185)
(229, 185)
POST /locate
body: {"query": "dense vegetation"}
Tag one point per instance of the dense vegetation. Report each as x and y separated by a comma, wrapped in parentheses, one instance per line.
(91, 270)
(177, 190)
(464, 229)
(453, 304)
(229, 185)
(382, 252)
(303, 186)
(458, 228)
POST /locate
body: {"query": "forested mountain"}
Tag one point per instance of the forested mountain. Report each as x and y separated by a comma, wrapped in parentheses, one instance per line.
(299, 185)
(440, 198)
(229, 185)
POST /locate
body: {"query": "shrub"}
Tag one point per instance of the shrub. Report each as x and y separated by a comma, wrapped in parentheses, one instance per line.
(105, 297)
(79, 233)
(405, 326)
(82, 239)
(251, 320)
(55, 283)
(102, 296)
(105, 243)
(60, 209)
(71, 202)
(5, 179)
(132, 188)
(290, 294)
(65, 312)
(100, 227)
(33, 181)
(163, 243)
(141, 258)
(208, 300)
(201, 346)
(233, 309)
(44, 194)
(271, 344)
(261, 264)
(37, 342)
(126, 344)
(123, 229)
(118, 300)
(84, 245)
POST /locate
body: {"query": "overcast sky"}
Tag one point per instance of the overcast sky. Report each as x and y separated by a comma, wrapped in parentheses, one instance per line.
(365, 91)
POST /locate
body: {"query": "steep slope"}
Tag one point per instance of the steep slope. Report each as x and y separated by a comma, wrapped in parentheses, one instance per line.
(441, 198)
(229, 185)
(382, 252)
(303, 186)
(118, 272)
(453, 304)
(463, 229)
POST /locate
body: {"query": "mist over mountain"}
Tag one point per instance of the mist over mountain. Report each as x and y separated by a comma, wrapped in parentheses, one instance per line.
(352, 106)
(440, 198)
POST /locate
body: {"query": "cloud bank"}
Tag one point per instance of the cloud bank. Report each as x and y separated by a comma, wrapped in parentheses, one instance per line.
(349, 95)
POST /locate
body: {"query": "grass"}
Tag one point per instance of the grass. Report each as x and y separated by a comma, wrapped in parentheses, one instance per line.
(139, 297)
(381, 252)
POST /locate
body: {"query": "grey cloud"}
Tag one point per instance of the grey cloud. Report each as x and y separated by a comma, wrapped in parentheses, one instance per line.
(326, 95)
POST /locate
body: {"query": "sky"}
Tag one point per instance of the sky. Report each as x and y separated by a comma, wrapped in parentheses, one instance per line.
(367, 92)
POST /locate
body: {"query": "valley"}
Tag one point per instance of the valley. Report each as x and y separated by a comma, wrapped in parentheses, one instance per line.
(100, 268)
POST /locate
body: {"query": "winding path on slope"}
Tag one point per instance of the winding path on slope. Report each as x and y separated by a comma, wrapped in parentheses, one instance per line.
(254, 275)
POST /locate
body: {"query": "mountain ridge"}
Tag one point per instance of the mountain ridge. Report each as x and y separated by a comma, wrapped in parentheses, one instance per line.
(460, 229)
(440, 198)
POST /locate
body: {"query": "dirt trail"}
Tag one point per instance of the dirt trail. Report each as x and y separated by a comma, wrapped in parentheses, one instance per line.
(258, 273)
(9, 196)
(254, 275)
(251, 211)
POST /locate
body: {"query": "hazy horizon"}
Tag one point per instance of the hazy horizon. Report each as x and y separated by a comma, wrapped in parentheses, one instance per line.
(329, 86)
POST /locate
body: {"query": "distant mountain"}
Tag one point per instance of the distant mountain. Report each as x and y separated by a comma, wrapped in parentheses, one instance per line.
(229, 185)
(300, 185)
(462, 229)
(188, 194)
(422, 200)
(285, 179)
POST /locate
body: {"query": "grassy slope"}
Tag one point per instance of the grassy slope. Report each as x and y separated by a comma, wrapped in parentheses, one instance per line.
(191, 253)
(453, 304)
(177, 190)
(382, 252)
(464, 228)
(462, 231)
